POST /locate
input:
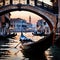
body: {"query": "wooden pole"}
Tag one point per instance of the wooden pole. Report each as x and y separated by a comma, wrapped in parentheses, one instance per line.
(55, 28)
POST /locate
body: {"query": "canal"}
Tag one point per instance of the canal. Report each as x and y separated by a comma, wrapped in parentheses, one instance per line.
(9, 52)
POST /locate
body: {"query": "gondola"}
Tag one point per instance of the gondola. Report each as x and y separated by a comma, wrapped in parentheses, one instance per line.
(8, 35)
(35, 51)
(24, 39)
(38, 33)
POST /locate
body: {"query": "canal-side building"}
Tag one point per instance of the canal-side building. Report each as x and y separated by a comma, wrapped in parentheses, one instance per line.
(41, 24)
(18, 24)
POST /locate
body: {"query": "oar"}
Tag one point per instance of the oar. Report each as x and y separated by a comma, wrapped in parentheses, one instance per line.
(17, 52)
(17, 45)
(19, 42)
(54, 35)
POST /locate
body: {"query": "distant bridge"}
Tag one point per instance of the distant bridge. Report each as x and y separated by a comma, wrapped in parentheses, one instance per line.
(50, 18)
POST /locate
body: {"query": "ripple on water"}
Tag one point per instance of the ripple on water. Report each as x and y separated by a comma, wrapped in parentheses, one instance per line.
(11, 53)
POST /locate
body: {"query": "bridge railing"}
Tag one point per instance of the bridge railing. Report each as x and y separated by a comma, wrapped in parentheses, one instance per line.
(50, 8)
(39, 4)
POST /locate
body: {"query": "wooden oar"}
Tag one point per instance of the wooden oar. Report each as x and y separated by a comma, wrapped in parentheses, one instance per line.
(17, 45)
(55, 27)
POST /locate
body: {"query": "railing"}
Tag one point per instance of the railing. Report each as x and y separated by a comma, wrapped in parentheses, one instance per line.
(39, 4)
(48, 7)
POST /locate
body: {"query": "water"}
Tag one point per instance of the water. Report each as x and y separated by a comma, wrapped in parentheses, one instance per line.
(9, 52)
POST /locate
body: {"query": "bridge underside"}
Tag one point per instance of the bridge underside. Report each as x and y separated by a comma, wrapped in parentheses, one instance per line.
(47, 16)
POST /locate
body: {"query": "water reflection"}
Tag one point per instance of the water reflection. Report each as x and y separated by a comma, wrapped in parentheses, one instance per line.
(7, 50)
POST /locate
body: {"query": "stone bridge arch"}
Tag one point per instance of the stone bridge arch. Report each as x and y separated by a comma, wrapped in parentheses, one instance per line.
(48, 17)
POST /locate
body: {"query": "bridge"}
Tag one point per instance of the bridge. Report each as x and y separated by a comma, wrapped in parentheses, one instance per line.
(49, 17)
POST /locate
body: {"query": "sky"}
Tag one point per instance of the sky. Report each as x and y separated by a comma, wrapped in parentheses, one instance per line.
(25, 15)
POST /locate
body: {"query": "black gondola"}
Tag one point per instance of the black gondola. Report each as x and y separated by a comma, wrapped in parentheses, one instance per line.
(38, 33)
(24, 39)
(35, 51)
(8, 36)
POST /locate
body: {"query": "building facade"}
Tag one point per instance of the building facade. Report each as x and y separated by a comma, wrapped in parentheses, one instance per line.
(42, 25)
(18, 24)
